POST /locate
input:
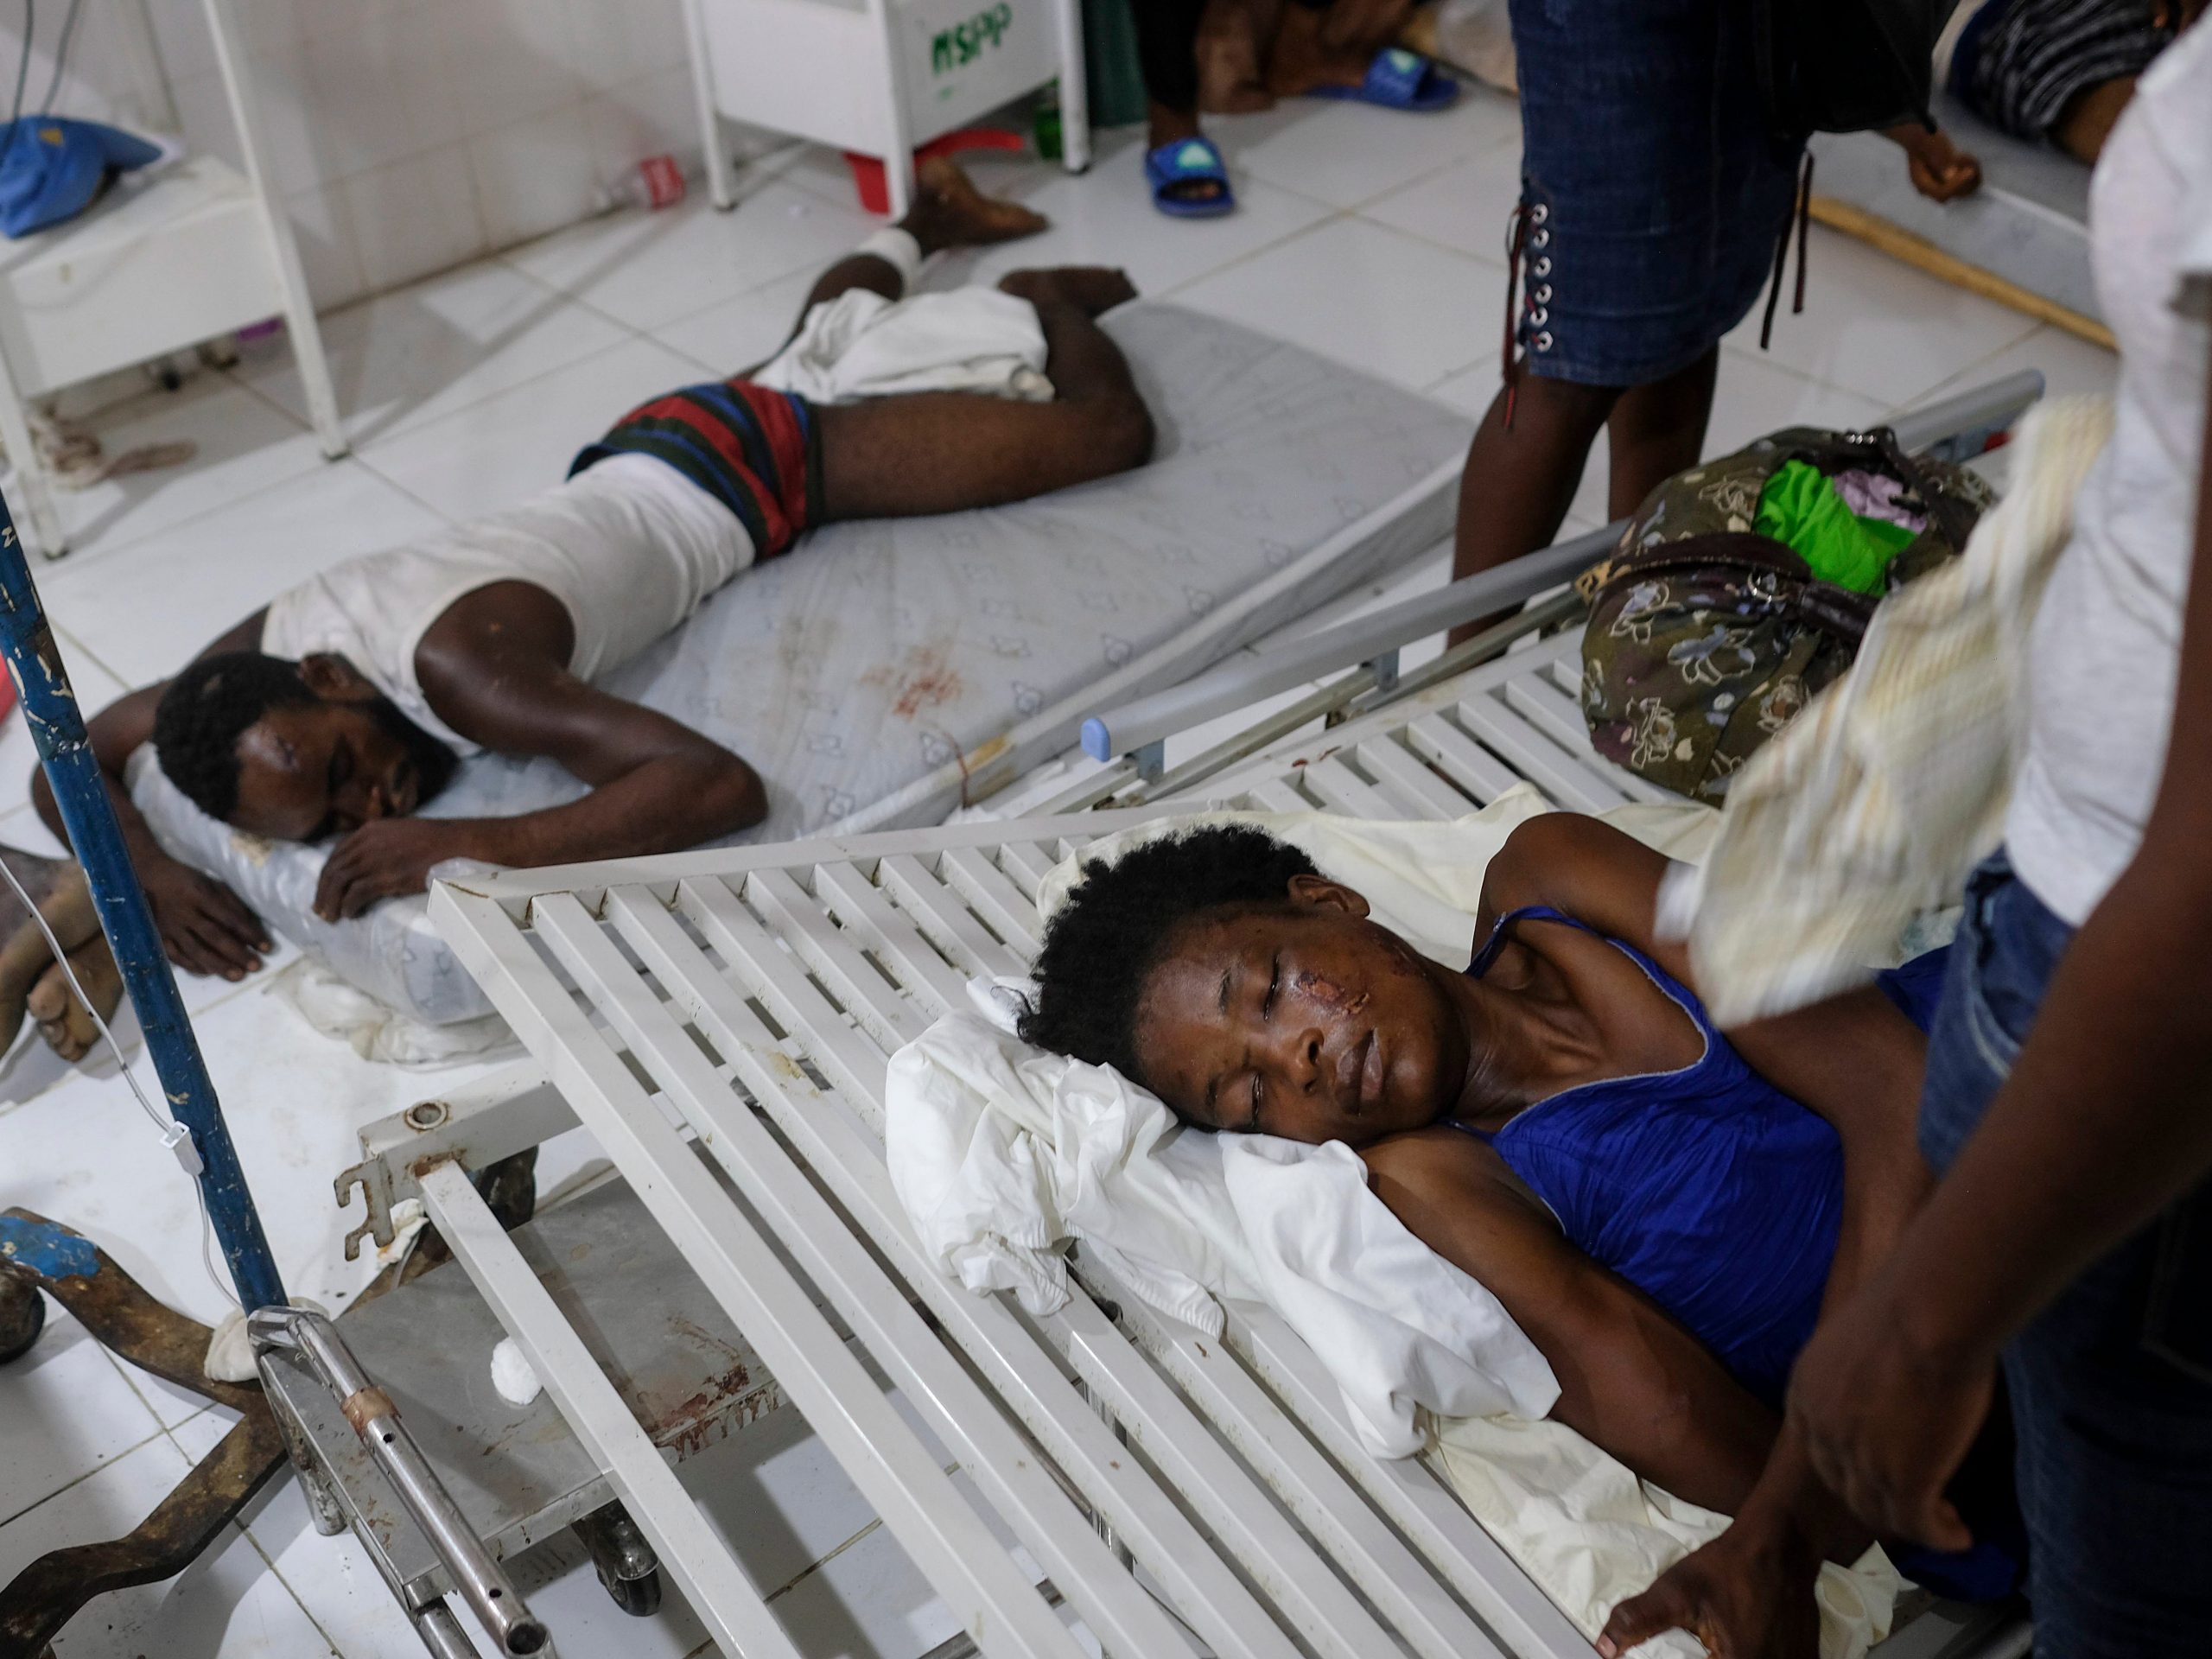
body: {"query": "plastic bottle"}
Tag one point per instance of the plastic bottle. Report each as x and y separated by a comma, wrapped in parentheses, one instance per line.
(656, 182)
(1044, 123)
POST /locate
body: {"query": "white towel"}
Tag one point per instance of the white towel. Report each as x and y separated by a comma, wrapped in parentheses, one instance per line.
(860, 345)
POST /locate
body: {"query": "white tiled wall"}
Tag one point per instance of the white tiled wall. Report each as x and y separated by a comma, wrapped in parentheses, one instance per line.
(406, 136)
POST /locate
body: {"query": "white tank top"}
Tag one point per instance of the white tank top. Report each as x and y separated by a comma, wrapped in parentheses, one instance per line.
(630, 548)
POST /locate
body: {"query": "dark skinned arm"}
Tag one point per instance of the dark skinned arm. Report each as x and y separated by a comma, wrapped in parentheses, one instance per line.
(494, 670)
(204, 927)
(1858, 1062)
(1894, 1386)
(1632, 1380)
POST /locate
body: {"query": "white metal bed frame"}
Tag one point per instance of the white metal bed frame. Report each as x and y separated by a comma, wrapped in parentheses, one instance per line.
(721, 1021)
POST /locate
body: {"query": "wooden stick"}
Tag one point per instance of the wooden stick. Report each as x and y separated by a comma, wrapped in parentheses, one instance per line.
(1923, 255)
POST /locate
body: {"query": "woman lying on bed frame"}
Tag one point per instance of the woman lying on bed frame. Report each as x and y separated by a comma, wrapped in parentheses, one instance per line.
(1664, 1208)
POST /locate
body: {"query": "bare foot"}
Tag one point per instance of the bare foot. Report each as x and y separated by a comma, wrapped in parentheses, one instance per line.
(62, 1020)
(58, 888)
(1092, 290)
(950, 212)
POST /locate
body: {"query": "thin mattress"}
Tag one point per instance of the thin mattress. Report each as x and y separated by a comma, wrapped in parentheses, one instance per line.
(884, 672)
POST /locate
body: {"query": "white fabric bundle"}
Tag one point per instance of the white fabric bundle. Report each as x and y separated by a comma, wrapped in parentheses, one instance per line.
(860, 345)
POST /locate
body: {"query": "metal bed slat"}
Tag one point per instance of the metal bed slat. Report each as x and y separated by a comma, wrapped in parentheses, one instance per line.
(1148, 1521)
(990, 1597)
(891, 937)
(1427, 795)
(947, 923)
(861, 1426)
(1420, 1504)
(1554, 710)
(1081, 1566)
(1536, 759)
(1339, 788)
(1027, 864)
(1390, 1575)
(1460, 758)
(1005, 909)
(1549, 710)
(1233, 1505)
(1278, 795)
(716, 1585)
(850, 1060)
(872, 999)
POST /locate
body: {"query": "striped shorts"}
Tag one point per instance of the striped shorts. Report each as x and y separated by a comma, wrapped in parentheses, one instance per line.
(756, 451)
(2020, 64)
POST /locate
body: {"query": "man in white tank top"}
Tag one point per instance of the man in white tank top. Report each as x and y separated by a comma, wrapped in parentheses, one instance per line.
(347, 702)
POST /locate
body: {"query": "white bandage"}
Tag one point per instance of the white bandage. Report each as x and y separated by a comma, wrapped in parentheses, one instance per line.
(895, 248)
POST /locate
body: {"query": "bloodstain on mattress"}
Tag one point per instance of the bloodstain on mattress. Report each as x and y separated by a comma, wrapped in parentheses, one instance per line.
(925, 678)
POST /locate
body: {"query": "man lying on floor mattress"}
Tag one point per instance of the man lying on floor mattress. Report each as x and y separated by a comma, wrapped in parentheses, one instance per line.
(542, 659)
(1660, 1207)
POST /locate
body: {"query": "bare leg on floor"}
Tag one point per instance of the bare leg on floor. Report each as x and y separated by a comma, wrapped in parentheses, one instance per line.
(1520, 482)
(2089, 119)
(1655, 431)
(28, 979)
(949, 451)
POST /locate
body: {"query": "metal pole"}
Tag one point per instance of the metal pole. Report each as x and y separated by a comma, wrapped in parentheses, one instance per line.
(58, 728)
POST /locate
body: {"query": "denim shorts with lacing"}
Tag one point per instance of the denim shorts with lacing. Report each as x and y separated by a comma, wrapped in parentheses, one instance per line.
(1653, 193)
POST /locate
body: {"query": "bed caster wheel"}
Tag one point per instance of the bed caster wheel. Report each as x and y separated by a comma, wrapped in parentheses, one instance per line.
(628, 1568)
(23, 1316)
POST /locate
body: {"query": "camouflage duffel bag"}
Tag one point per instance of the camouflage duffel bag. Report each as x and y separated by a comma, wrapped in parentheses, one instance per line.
(1705, 637)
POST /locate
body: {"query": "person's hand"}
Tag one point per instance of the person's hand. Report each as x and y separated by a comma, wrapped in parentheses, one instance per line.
(387, 857)
(1945, 177)
(204, 927)
(1884, 1420)
(1746, 1595)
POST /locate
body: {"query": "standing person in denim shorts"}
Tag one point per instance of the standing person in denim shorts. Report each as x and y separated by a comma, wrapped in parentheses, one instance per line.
(2068, 1102)
(1653, 195)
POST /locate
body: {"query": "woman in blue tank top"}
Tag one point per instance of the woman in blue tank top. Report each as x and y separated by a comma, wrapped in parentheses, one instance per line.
(1663, 1208)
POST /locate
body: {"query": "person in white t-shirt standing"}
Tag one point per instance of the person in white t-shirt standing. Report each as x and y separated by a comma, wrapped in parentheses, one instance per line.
(2067, 1108)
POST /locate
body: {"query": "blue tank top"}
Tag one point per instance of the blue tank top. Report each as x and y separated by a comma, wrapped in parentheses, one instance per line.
(1708, 1188)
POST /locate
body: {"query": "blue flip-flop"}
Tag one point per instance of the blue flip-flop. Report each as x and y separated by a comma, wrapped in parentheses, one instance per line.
(1188, 160)
(1399, 80)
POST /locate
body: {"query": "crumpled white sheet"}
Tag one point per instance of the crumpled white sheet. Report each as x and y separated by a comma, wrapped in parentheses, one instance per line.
(860, 345)
(1591, 1535)
(1001, 1152)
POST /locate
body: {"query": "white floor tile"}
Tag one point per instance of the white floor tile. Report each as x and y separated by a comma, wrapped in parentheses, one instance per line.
(65, 1411)
(1346, 154)
(146, 610)
(2069, 364)
(1352, 153)
(243, 445)
(404, 359)
(1367, 297)
(1879, 329)
(1754, 395)
(1106, 217)
(513, 445)
(1467, 205)
(294, 1100)
(744, 331)
(645, 268)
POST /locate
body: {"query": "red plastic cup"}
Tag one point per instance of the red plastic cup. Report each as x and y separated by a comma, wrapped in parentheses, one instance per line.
(868, 170)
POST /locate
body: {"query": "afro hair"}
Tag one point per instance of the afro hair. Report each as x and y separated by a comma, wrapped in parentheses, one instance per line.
(205, 711)
(1118, 923)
